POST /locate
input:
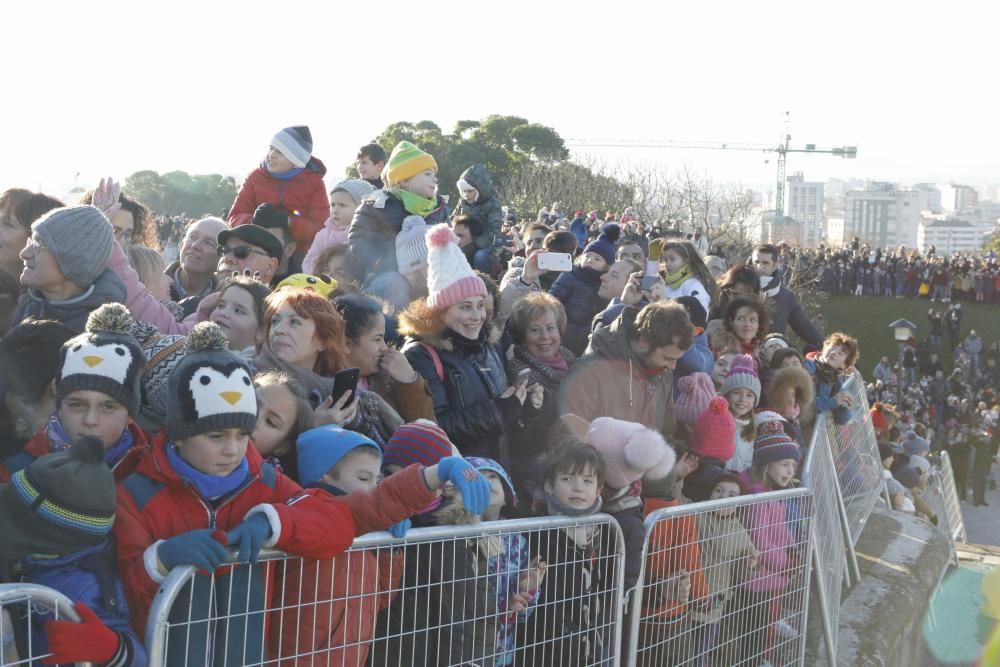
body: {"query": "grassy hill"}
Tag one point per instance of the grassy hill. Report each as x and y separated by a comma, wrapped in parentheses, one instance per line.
(868, 318)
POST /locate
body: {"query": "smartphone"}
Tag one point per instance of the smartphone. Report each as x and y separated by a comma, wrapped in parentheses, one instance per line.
(523, 376)
(555, 261)
(344, 381)
(647, 283)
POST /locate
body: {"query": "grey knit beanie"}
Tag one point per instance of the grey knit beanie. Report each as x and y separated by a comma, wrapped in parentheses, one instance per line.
(79, 239)
(210, 389)
(357, 188)
(411, 246)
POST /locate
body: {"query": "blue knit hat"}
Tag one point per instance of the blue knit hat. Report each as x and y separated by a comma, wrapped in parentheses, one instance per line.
(319, 449)
(772, 445)
(421, 441)
(481, 463)
(295, 143)
(604, 244)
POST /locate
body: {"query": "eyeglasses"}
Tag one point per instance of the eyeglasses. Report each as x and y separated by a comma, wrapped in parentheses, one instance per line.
(38, 246)
(240, 251)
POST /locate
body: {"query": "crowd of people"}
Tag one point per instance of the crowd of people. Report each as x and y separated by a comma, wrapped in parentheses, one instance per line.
(320, 365)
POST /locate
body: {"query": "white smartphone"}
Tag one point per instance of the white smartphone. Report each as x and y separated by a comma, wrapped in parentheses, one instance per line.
(555, 261)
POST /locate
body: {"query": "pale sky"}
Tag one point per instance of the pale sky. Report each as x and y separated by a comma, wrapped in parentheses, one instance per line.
(113, 87)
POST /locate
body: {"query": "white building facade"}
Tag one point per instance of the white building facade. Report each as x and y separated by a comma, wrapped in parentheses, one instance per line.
(805, 206)
(883, 218)
(949, 236)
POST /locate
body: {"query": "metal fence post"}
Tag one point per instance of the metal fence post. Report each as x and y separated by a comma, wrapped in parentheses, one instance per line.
(46, 599)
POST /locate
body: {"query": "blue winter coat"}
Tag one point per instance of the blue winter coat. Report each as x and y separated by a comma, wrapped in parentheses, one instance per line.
(825, 396)
(78, 577)
(577, 290)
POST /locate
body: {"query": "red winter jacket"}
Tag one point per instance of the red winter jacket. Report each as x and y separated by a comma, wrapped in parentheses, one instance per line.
(39, 445)
(304, 197)
(155, 504)
(673, 550)
(330, 606)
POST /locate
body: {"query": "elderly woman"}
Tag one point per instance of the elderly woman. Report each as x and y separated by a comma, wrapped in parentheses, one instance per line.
(536, 325)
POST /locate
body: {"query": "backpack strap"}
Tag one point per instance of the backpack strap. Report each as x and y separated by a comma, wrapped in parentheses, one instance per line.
(438, 367)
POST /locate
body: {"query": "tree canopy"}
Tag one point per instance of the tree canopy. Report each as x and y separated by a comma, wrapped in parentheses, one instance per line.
(177, 192)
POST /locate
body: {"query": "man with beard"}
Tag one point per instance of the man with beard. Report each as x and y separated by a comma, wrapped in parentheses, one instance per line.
(627, 372)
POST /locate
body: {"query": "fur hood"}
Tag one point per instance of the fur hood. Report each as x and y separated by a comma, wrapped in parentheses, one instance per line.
(801, 381)
(430, 331)
(454, 513)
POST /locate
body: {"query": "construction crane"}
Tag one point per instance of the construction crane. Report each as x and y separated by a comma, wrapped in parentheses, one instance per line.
(783, 148)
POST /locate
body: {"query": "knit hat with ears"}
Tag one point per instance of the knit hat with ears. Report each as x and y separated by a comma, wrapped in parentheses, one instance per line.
(714, 434)
(295, 143)
(411, 245)
(449, 276)
(105, 358)
(742, 374)
(405, 162)
(630, 450)
(210, 389)
(695, 392)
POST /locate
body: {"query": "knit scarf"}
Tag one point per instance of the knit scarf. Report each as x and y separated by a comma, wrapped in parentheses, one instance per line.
(282, 175)
(59, 441)
(771, 285)
(209, 487)
(415, 204)
(826, 373)
(676, 279)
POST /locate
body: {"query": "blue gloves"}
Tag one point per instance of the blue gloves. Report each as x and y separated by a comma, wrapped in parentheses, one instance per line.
(475, 488)
(399, 529)
(205, 549)
(250, 535)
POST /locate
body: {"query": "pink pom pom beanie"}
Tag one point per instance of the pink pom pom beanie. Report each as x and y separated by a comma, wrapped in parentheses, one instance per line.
(449, 276)
(630, 451)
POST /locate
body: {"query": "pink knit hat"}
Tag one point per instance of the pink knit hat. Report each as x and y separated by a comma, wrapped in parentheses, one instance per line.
(695, 393)
(449, 276)
(714, 433)
(630, 451)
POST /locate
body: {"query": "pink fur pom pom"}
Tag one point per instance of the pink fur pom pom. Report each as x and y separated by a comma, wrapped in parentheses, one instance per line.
(440, 236)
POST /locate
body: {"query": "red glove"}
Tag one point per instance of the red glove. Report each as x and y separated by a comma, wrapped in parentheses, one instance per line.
(87, 641)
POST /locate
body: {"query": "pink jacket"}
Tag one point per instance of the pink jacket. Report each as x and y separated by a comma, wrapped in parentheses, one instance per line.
(326, 237)
(144, 306)
(769, 532)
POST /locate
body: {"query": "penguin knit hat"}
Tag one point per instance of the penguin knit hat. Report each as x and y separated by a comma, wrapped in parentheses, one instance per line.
(695, 392)
(405, 162)
(105, 358)
(604, 244)
(630, 451)
(79, 239)
(742, 374)
(355, 187)
(295, 143)
(449, 276)
(61, 503)
(421, 441)
(320, 449)
(210, 389)
(411, 245)
(773, 445)
(714, 433)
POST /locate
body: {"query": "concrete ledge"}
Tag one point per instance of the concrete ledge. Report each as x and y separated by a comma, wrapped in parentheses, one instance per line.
(902, 560)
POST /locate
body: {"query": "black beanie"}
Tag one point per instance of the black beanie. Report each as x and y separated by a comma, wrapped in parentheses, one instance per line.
(29, 357)
(61, 503)
(104, 358)
(210, 389)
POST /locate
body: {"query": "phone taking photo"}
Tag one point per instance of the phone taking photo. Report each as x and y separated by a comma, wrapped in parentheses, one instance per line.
(555, 261)
(344, 381)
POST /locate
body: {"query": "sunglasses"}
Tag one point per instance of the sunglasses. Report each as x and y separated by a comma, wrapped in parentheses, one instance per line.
(240, 251)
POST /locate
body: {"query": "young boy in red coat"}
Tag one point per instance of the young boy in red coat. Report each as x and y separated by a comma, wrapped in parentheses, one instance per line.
(201, 489)
(290, 178)
(97, 393)
(328, 608)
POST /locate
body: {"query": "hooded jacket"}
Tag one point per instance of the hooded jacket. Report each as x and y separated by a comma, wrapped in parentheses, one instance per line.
(328, 608)
(611, 381)
(372, 234)
(577, 291)
(73, 312)
(487, 208)
(465, 396)
(155, 504)
(303, 196)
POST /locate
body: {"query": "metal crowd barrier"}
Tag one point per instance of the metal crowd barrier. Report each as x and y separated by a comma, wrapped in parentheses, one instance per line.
(28, 606)
(439, 596)
(952, 508)
(724, 582)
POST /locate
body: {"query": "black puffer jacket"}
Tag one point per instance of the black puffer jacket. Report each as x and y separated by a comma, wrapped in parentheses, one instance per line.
(577, 290)
(372, 234)
(466, 400)
(487, 206)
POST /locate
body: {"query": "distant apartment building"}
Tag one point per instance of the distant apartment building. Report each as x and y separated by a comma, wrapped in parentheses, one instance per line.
(805, 206)
(883, 215)
(930, 197)
(784, 229)
(959, 198)
(948, 236)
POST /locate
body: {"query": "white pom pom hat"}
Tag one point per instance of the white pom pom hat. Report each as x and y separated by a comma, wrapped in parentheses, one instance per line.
(449, 276)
